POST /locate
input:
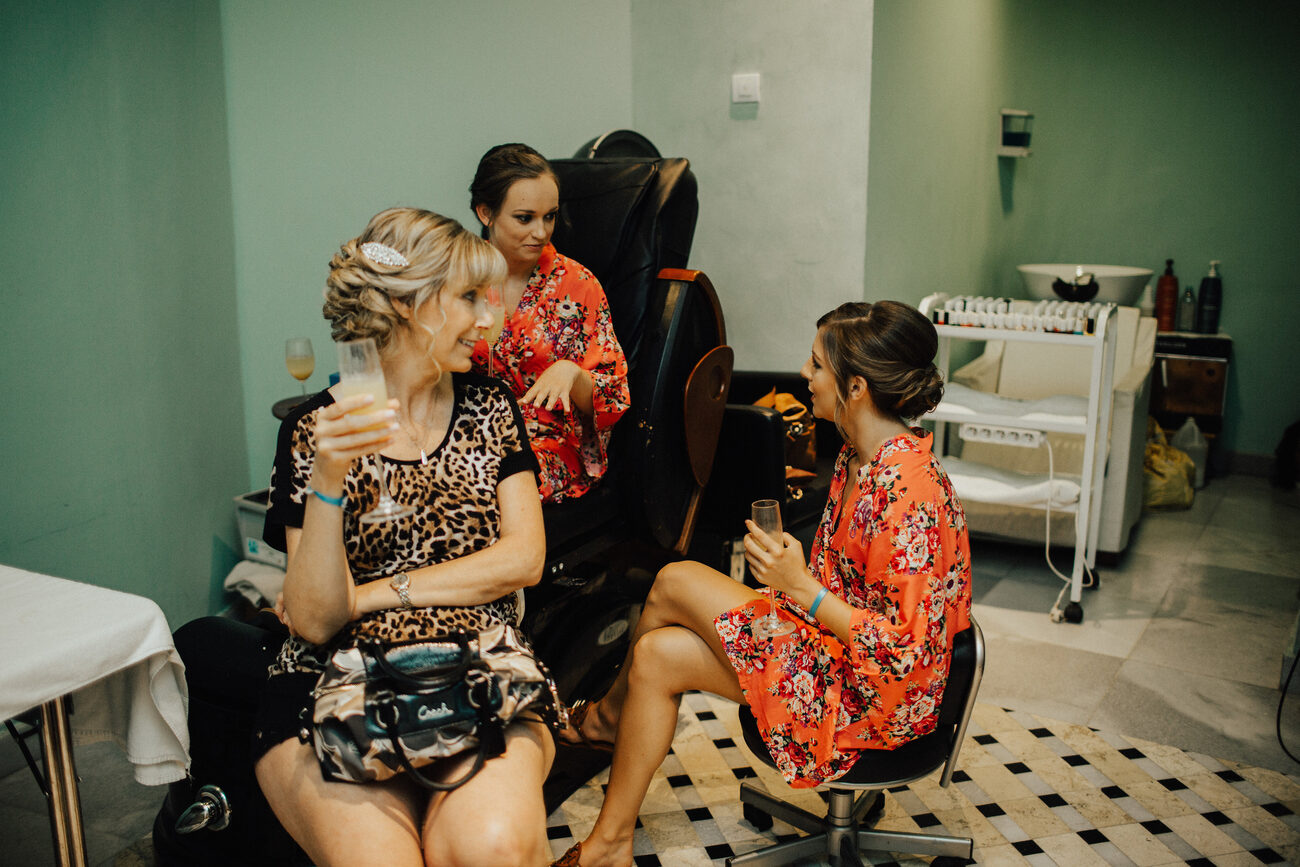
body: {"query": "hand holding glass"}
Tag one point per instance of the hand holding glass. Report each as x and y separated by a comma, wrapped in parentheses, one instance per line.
(361, 373)
(767, 515)
(299, 358)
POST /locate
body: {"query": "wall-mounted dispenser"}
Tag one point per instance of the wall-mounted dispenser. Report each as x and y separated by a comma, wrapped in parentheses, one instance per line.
(1014, 133)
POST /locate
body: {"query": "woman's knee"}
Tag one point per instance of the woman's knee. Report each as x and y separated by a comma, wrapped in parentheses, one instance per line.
(496, 838)
(669, 584)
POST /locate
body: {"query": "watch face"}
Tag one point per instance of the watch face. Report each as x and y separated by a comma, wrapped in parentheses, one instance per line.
(400, 580)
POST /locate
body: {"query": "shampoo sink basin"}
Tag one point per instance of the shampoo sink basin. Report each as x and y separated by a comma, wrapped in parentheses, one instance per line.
(1118, 284)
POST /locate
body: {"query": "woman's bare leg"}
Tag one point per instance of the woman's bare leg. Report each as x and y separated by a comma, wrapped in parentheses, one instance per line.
(665, 663)
(499, 816)
(340, 823)
(687, 594)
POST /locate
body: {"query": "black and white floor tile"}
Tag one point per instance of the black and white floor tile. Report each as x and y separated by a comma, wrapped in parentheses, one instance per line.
(1029, 791)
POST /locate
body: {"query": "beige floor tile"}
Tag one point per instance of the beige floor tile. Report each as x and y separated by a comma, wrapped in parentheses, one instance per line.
(1069, 850)
(1201, 834)
(1141, 846)
(1034, 817)
(1097, 808)
(998, 783)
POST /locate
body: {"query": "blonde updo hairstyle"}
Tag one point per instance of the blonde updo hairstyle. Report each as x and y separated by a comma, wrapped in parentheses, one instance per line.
(890, 345)
(359, 292)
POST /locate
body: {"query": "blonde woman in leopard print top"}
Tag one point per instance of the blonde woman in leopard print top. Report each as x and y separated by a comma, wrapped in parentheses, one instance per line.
(453, 445)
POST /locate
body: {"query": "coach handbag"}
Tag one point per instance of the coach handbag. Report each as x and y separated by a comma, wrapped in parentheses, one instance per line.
(386, 709)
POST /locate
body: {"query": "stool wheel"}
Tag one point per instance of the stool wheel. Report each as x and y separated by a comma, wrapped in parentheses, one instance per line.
(756, 817)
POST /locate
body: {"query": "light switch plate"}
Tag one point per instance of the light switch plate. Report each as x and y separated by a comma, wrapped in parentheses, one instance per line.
(744, 87)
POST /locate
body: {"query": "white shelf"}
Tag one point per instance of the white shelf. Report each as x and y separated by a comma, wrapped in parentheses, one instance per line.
(1017, 421)
(1093, 428)
(976, 332)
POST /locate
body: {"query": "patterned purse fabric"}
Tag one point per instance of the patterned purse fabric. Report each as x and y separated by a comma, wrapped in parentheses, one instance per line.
(383, 710)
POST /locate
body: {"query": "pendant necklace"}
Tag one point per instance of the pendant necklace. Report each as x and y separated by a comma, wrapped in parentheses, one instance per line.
(419, 443)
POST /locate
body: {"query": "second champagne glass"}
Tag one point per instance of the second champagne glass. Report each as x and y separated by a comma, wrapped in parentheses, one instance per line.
(299, 358)
(767, 515)
(361, 373)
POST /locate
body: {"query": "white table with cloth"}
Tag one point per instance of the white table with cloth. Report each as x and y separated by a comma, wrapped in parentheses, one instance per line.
(111, 653)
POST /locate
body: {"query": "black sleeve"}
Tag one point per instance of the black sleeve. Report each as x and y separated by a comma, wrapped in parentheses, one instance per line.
(295, 448)
(517, 450)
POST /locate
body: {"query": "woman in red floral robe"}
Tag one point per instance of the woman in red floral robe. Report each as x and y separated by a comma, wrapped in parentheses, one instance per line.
(557, 350)
(873, 612)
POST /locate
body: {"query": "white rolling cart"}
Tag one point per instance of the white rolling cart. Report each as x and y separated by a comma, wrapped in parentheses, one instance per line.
(1004, 419)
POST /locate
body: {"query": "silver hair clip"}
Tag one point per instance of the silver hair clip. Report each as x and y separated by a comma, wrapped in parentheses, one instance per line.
(382, 254)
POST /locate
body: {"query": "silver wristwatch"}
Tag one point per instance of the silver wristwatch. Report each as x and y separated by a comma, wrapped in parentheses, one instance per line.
(401, 584)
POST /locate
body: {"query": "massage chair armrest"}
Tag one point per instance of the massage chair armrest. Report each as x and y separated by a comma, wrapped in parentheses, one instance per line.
(749, 465)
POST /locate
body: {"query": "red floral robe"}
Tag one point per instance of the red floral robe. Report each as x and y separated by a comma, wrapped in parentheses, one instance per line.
(562, 314)
(893, 544)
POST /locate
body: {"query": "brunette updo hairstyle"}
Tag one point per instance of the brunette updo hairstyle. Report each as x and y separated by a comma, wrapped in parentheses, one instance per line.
(890, 345)
(359, 292)
(499, 169)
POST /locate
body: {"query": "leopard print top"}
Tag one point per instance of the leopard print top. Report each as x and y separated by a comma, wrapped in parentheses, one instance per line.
(457, 512)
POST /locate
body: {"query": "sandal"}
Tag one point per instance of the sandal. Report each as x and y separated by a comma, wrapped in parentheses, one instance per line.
(570, 858)
(577, 716)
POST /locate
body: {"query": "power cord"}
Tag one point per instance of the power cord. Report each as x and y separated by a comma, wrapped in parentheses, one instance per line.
(1286, 688)
(1072, 612)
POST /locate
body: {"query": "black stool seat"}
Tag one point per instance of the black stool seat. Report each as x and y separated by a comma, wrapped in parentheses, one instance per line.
(843, 833)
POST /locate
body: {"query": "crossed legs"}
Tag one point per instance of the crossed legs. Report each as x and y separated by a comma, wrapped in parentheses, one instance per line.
(674, 649)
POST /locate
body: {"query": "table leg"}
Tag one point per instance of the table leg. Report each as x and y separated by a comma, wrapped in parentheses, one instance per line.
(61, 777)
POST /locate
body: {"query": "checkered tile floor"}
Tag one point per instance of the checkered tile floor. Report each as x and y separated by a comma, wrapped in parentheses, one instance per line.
(1029, 791)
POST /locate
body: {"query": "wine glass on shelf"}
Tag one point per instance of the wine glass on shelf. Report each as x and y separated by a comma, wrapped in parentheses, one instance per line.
(497, 305)
(767, 515)
(361, 373)
(299, 358)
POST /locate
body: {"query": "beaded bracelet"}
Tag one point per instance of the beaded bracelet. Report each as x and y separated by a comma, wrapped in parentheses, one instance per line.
(326, 498)
(821, 594)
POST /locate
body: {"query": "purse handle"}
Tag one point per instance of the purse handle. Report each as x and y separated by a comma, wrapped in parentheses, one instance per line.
(491, 743)
(414, 681)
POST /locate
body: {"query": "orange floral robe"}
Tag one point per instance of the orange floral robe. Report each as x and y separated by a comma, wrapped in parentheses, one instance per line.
(893, 544)
(562, 315)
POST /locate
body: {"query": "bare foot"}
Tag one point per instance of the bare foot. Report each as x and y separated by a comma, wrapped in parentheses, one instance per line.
(598, 852)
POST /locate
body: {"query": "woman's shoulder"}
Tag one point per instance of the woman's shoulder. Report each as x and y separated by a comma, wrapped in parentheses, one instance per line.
(570, 269)
(301, 412)
(479, 389)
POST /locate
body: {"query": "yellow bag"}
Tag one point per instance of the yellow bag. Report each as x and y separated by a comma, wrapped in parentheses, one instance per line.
(800, 435)
(1169, 474)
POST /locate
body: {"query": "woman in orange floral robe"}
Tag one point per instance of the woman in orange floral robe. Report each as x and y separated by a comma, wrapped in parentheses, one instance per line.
(557, 350)
(873, 612)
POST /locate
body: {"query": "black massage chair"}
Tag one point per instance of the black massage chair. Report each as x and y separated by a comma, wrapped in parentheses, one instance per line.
(630, 218)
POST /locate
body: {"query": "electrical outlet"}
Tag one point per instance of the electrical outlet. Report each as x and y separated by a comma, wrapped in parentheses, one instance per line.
(1006, 436)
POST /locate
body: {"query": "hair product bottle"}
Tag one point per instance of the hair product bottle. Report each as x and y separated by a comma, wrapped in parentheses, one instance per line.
(1167, 298)
(1211, 297)
(1187, 311)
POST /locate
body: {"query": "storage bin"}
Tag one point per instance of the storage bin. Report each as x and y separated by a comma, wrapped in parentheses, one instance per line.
(250, 513)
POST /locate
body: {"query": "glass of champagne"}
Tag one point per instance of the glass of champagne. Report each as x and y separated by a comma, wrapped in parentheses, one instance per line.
(299, 358)
(767, 515)
(497, 305)
(361, 373)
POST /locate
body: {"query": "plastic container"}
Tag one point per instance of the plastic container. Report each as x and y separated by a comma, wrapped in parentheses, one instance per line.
(250, 513)
(1211, 297)
(1187, 311)
(1192, 442)
(1167, 298)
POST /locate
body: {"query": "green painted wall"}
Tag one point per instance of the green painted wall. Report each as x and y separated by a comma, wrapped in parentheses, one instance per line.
(339, 109)
(1161, 129)
(123, 425)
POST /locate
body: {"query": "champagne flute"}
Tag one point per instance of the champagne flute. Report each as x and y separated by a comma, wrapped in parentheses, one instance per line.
(766, 514)
(361, 373)
(497, 305)
(299, 358)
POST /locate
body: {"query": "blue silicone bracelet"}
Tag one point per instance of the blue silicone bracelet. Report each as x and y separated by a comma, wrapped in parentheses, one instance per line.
(326, 498)
(821, 594)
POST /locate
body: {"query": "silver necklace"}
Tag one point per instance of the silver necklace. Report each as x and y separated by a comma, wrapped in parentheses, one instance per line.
(424, 436)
